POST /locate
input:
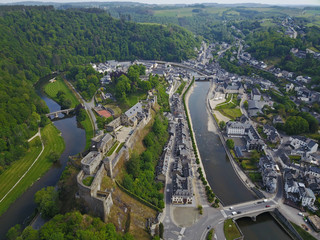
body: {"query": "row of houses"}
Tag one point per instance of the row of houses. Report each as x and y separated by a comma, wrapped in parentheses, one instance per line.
(295, 189)
(182, 191)
(269, 171)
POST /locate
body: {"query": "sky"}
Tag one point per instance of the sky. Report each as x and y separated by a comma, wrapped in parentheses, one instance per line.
(275, 2)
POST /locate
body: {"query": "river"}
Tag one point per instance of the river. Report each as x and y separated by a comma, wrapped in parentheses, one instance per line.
(220, 174)
(75, 140)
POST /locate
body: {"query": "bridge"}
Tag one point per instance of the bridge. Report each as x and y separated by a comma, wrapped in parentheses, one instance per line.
(203, 78)
(56, 113)
(249, 209)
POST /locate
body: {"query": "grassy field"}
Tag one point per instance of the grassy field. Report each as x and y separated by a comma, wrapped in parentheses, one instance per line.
(231, 113)
(230, 230)
(53, 143)
(87, 126)
(51, 89)
(304, 234)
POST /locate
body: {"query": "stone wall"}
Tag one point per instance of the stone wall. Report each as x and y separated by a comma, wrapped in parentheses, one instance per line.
(286, 224)
(100, 206)
(114, 124)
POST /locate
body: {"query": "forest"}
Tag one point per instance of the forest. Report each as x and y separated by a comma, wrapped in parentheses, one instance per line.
(36, 41)
(72, 225)
(140, 177)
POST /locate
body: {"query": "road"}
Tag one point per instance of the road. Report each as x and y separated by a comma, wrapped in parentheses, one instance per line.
(248, 208)
(88, 105)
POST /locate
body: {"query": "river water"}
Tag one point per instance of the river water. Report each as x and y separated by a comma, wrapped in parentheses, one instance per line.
(75, 140)
(219, 171)
(220, 174)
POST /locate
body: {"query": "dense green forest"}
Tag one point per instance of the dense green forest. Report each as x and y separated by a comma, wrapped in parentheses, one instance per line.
(72, 225)
(35, 41)
(141, 169)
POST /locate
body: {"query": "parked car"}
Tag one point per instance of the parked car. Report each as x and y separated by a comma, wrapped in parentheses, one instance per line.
(267, 205)
(301, 214)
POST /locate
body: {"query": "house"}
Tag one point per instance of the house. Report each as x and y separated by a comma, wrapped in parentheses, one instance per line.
(307, 197)
(289, 87)
(253, 108)
(269, 173)
(236, 129)
(255, 94)
(233, 88)
(272, 133)
(277, 120)
(303, 145)
(239, 129)
(181, 190)
(130, 116)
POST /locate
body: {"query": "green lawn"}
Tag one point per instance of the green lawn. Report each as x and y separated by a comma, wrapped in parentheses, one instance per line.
(53, 142)
(87, 181)
(119, 148)
(115, 145)
(87, 126)
(51, 89)
(304, 234)
(231, 113)
(230, 230)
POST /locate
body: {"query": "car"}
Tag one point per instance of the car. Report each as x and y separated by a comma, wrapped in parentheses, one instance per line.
(239, 212)
(208, 227)
(234, 213)
(301, 214)
(231, 208)
(267, 205)
(265, 200)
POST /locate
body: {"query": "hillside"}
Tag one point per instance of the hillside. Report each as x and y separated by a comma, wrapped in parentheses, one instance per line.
(35, 41)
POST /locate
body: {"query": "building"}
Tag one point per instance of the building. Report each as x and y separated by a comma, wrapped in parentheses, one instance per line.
(182, 190)
(236, 129)
(272, 133)
(314, 222)
(91, 162)
(255, 94)
(302, 145)
(253, 108)
(102, 143)
(269, 173)
(307, 197)
(233, 88)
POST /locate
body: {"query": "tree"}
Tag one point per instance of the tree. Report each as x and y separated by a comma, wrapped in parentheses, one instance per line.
(222, 125)
(81, 115)
(296, 125)
(46, 199)
(14, 232)
(246, 105)
(161, 230)
(54, 157)
(230, 143)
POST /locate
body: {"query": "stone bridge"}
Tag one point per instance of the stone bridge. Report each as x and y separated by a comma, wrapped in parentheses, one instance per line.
(249, 209)
(56, 113)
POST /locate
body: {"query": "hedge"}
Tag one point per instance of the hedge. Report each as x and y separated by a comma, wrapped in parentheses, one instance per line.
(148, 204)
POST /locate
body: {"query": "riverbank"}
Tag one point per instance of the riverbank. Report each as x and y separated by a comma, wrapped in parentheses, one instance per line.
(27, 170)
(62, 85)
(213, 126)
